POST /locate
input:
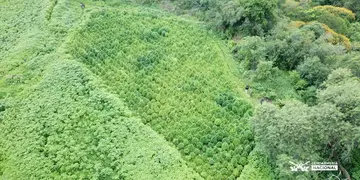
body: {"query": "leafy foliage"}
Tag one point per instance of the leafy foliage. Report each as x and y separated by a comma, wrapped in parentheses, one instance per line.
(258, 167)
(336, 18)
(350, 4)
(288, 47)
(313, 71)
(304, 48)
(327, 130)
(252, 17)
(339, 11)
(181, 92)
(72, 81)
(67, 128)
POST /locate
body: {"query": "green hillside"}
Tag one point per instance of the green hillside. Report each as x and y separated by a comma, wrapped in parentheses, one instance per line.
(67, 128)
(178, 84)
(57, 122)
(179, 89)
(90, 94)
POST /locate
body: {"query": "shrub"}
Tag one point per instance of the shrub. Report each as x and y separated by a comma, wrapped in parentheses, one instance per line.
(264, 70)
(250, 50)
(339, 11)
(313, 71)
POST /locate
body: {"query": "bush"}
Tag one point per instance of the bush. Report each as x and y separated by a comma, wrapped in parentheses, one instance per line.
(339, 11)
(252, 17)
(250, 50)
(313, 71)
(309, 95)
(354, 31)
(264, 70)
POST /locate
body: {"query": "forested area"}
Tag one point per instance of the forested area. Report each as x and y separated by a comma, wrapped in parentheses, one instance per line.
(155, 89)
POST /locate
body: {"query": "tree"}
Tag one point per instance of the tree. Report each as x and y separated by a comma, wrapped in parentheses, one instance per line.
(288, 47)
(342, 90)
(264, 70)
(252, 17)
(309, 95)
(350, 61)
(353, 5)
(251, 50)
(229, 14)
(297, 131)
(261, 15)
(355, 31)
(313, 71)
(258, 166)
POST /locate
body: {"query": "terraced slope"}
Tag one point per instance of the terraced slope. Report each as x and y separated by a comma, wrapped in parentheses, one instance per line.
(89, 93)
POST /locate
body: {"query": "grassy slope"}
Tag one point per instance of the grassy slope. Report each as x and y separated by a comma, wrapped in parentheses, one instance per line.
(179, 84)
(55, 120)
(67, 128)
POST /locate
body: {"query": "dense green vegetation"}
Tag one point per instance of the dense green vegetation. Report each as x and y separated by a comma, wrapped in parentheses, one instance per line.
(67, 128)
(72, 129)
(154, 66)
(154, 89)
(57, 122)
(306, 132)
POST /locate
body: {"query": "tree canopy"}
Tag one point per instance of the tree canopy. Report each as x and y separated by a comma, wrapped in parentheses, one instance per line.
(328, 130)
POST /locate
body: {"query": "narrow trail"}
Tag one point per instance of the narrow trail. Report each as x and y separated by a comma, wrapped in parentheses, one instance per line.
(233, 69)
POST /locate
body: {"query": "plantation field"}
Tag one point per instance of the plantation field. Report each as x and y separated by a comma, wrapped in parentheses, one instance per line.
(178, 84)
(67, 128)
(118, 92)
